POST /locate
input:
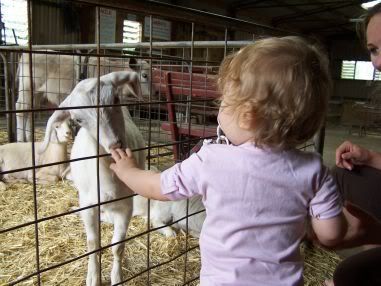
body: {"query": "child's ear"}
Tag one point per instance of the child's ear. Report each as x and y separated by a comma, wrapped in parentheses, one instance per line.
(246, 117)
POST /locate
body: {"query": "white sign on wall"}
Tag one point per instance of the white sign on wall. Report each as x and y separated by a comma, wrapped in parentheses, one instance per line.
(107, 25)
(161, 29)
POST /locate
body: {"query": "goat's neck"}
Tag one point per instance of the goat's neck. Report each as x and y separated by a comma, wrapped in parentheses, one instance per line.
(57, 143)
(55, 152)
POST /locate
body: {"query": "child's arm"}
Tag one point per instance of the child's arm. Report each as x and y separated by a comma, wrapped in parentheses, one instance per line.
(142, 182)
(330, 232)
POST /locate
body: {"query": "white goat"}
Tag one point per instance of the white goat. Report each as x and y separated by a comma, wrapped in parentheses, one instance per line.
(54, 77)
(16, 155)
(162, 213)
(116, 129)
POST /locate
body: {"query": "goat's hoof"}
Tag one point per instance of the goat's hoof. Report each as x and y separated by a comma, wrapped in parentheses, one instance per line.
(93, 280)
(3, 186)
(168, 232)
(116, 276)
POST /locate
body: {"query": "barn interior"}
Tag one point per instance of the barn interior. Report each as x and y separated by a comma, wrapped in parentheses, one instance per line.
(176, 47)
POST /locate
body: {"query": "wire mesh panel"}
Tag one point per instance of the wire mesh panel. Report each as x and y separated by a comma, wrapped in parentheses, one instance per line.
(45, 234)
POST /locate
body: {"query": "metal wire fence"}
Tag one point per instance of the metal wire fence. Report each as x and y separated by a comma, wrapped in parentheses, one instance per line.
(41, 221)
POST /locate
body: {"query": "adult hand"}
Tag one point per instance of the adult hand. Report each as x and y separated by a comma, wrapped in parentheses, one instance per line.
(349, 154)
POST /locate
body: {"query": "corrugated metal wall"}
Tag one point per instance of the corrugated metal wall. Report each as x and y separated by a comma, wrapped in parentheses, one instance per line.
(55, 22)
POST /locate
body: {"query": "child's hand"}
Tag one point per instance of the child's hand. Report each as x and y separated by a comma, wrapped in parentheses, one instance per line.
(123, 161)
(143, 182)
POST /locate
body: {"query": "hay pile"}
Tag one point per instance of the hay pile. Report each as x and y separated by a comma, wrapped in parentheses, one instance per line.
(38, 134)
(63, 238)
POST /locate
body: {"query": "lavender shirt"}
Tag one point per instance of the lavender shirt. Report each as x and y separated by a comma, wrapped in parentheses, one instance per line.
(257, 204)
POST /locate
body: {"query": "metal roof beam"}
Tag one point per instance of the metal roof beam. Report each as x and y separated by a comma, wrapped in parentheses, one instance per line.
(302, 4)
(278, 20)
(245, 4)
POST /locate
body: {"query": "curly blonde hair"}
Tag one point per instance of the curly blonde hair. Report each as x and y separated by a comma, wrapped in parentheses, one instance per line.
(285, 82)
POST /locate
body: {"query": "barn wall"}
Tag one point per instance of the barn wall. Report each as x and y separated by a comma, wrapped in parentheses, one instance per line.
(348, 49)
(54, 22)
(76, 24)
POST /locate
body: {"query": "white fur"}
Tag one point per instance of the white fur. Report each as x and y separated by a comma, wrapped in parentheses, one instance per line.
(19, 155)
(162, 213)
(54, 77)
(116, 129)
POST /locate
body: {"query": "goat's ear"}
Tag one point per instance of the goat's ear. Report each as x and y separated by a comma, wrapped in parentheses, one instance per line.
(136, 89)
(58, 115)
(66, 101)
(54, 134)
(120, 77)
(106, 91)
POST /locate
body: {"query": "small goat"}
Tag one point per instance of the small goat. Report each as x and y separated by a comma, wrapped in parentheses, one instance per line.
(116, 129)
(16, 155)
(54, 77)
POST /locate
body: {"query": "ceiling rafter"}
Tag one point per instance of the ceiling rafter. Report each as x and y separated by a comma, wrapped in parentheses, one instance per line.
(334, 12)
(245, 4)
(281, 19)
(252, 4)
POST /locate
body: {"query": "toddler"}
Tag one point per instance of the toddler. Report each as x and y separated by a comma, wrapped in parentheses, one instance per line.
(259, 190)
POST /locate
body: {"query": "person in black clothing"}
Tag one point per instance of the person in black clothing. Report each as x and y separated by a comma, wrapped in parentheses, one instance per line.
(358, 175)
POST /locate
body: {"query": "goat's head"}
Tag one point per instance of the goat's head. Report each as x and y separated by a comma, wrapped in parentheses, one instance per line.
(143, 69)
(85, 93)
(62, 132)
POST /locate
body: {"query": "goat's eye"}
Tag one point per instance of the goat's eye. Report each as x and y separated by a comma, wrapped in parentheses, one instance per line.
(144, 75)
(77, 120)
(116, 100)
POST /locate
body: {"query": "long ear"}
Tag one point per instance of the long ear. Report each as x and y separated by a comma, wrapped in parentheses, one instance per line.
(136, 89)
(124, 77)
(106, 91)
(120, 77)
(58, 115)
(54, 135)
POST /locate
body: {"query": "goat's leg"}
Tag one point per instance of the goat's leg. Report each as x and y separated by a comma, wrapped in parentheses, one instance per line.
(9, 178)
(21, 121)
(167, 231)
(90, 220)
(28, 126)
(161, 215)
(121, 221)
(45, 178)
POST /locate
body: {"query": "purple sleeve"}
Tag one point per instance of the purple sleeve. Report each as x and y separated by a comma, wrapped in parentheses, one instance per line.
(183, 180)
(327, 202)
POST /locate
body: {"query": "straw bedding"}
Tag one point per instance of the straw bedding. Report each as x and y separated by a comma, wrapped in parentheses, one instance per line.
(63, 238)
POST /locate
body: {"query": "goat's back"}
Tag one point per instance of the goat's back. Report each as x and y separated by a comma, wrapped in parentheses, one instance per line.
(53, 75)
